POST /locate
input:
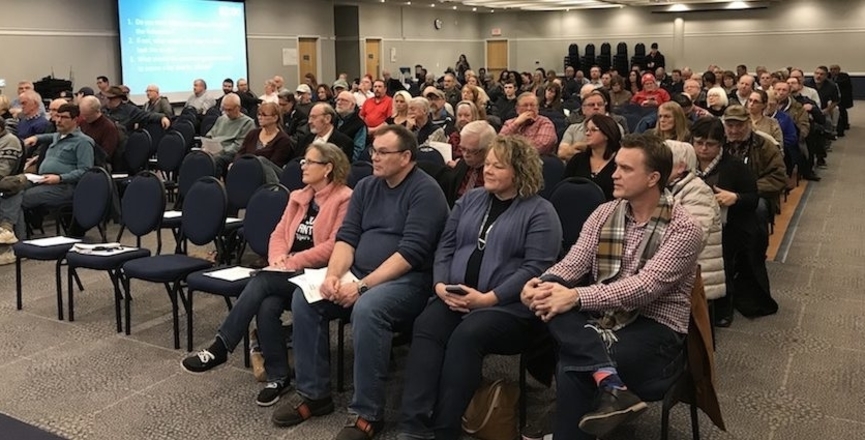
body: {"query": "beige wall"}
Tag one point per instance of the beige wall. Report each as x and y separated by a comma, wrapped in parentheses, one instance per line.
(82, 35)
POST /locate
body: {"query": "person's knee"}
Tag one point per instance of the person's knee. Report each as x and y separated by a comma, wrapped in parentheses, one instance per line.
(367, 311)
(271, 307)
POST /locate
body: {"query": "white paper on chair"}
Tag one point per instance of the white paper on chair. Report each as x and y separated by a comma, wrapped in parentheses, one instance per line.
(310, 282)
(212, 146)
(102, 249)
(232, 220)
(35, 178)
(231, 274)
(172, 214)
(444, 148)
(119, 175)
(52, 241)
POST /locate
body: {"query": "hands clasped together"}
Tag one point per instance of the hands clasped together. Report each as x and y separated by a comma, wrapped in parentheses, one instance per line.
(548, 299)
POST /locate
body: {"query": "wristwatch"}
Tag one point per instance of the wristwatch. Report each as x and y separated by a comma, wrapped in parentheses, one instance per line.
(361, 287)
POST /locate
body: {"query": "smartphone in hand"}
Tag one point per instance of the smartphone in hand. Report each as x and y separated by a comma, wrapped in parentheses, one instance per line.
(455, 289)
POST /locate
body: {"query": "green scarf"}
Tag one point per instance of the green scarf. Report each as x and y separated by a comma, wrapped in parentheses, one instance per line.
(611, 245)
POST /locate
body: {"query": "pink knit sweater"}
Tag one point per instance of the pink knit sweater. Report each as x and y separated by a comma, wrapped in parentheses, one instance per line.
(332, 204)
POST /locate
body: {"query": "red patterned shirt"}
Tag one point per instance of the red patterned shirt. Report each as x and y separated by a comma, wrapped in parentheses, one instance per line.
(541, 133)
(661, 290)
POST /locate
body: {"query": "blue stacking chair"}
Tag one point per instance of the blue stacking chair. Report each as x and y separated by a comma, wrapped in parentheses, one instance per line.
(138, 150)
(91, 203)
(575, 199)
(429, 154)
(292, 175)
(142, 207)
(202, 223)
(358, 171)
(244, 178)
(262, 215)
(169, 157)
(196, 164)
(553, 171)
(186, 128)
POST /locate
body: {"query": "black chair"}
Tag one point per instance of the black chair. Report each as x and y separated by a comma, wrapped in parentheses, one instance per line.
(91, 203)
(169, 156)
(264, 212)
(207, 123)
(245, 176)
(575, 199)
(186, 128)
(359, 170)
(431, 155)
(138, 150)
(156, 133)
(202, 223)
(196, 164)
(292, 175)
(553, 171)
(142, 207)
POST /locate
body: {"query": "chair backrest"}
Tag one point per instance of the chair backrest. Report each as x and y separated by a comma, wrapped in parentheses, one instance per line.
(553, 170)
(244, 177)
(156, 133)
(359, 170)
(429, 154)
(364, 156)
(263, 213)
(292, 175)
(138, 150)
(575, 199)
(186, 128)
(207, 123)
(170, 152)
(91, 201)
(196, 164)
(143, 203)
(204, 211)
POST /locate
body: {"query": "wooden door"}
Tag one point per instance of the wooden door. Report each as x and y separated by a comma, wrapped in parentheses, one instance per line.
(497, 57)
(307, 58)
(372, 57)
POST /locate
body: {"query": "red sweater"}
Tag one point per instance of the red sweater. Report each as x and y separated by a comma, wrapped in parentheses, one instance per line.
(332, 204)
(104, 133)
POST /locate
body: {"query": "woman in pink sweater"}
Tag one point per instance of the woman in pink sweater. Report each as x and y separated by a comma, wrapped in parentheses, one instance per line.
(304, 238)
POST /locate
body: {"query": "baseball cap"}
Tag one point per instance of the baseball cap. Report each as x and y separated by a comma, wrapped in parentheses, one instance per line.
(86, 91)
(648, 77)
(340, 84)
(735, 113)
(303, 88)
(432, 91)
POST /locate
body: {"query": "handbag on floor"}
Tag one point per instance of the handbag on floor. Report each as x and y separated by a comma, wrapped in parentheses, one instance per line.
(493, 412)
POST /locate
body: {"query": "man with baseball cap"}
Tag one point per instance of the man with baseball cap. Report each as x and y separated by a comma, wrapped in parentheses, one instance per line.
(303, 94)
(439, 114)
(339, 86)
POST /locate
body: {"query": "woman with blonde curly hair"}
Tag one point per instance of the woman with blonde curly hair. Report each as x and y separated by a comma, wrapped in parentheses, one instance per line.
(672, 123)
(496, 237)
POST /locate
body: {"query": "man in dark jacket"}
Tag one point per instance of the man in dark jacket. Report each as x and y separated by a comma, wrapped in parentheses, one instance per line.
(845, 89)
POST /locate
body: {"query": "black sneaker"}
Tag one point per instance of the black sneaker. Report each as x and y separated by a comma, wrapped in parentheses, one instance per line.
(202, 361)
(270, 393)
(615, 407)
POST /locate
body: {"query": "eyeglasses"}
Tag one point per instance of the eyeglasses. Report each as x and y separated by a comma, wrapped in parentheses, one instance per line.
(592, 129)
(310, 161)
(472, 151)
(373, 152)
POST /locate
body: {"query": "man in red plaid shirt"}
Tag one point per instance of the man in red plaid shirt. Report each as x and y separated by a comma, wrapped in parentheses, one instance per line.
(619, 302)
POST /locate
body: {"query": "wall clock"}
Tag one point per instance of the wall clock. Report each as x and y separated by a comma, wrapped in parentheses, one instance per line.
(437, 23)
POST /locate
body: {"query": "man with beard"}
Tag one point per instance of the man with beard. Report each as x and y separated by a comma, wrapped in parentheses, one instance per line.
(349, 123)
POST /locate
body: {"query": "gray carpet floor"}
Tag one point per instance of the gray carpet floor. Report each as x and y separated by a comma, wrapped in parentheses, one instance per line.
(799, 374)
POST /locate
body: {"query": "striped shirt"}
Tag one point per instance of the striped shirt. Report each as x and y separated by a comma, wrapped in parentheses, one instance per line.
(661, 290)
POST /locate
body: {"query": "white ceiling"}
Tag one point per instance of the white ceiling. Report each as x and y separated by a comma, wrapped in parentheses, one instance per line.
(553, 5)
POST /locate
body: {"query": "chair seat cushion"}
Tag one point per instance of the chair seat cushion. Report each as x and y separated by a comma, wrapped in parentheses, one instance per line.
(164, 268)
(200, 282)
(43, 253)
(171, 223)
(99, 262)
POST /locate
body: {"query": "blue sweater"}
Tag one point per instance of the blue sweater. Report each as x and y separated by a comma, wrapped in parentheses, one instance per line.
(381, 221)
(522, 244)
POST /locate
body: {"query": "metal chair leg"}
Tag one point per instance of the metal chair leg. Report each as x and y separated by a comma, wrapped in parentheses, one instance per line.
(69, 274)
(189, 317)
(340, 357)
(115, 282)
(127, 297)
(523, 397)
(175, 312)
(18, 302)
(58, 286)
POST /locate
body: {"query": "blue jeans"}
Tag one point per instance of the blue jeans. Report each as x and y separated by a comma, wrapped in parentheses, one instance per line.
(374, 317)
(266, 296)
(648, 357)
(34, 196)
(445, 365)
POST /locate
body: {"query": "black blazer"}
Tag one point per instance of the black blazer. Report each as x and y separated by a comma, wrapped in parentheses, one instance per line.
(732, 174)
(345, 143)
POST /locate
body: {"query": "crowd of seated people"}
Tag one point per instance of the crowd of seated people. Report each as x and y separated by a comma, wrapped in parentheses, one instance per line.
(467, 256)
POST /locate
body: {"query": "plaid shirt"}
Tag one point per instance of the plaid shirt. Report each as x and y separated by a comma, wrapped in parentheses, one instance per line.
(541, 133)
(661, 290)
